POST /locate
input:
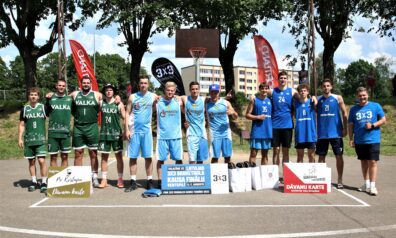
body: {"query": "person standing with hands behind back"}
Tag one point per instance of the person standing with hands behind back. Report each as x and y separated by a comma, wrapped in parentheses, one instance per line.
(365, 120)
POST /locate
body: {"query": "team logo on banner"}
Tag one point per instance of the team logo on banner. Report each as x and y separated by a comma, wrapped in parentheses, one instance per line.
(164, 71)
(266, 62)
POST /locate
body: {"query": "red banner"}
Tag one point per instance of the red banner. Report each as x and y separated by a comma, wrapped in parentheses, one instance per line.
(266, 62)
(83, 65)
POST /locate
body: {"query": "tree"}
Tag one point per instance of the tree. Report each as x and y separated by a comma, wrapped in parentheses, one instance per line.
(136, 21)
(355, 76)
(233, 18)
(5, 81)
(19, 21)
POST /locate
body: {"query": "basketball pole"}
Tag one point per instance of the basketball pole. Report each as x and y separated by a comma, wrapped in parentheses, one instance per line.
(197, 69)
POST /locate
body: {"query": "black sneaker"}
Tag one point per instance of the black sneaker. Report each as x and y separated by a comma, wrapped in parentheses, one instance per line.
(33, 187)
(43, 188)
(132, 186)
(150, 184)
(159, 184)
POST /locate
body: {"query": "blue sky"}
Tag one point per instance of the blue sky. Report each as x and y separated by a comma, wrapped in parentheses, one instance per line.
(367, 46)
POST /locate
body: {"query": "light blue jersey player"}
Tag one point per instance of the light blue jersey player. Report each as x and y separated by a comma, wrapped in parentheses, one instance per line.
(305, 131)
(169, 135)
(194, 111)
(259, 111)
(217, 111)
(138, 131)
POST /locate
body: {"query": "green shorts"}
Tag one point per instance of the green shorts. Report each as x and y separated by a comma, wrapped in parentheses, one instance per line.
(86, 135)
(56, 145)
(106, 146)
(33, 151)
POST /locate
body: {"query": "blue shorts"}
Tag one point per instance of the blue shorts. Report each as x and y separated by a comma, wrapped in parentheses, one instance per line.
(197, 148)
(140, 142)
(174, 147)
(223, 146)
(260, 144)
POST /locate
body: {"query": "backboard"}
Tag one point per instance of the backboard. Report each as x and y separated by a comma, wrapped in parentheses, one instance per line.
(205, 38)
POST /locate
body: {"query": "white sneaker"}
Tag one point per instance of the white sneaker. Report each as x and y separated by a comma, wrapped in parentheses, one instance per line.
(374, 191)
(363, 188)
(95, 182)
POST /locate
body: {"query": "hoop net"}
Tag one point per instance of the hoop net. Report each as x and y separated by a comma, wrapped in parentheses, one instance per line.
(198, 53)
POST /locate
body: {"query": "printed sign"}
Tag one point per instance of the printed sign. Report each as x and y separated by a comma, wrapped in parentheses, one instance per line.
(219, 179)
(306, 178)
(70, 182)
(186, 179)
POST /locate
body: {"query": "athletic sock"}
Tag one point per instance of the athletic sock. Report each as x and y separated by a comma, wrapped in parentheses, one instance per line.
(34, 179)
(94, 175)
(44, 180)
(119, 175)
(104, 174)
(133, 177)
(149, 177)
(367, 183)
(372, 184)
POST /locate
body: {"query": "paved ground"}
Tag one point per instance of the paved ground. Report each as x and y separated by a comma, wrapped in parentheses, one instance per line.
(266, 213)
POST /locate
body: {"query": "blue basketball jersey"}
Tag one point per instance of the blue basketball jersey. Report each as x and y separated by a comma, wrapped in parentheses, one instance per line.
(141, 113)
(305, 122)
(262, 129)
(359, 116)
(195, 115)
(168, 119)
(218, 119)
(281, 108)
(329, 117)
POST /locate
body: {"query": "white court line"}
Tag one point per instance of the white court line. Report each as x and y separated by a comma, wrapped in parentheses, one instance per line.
(353, 197)
(194, 206)
(281, 235)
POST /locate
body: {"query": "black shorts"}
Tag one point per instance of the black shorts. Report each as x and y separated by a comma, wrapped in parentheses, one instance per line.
(306, 145)
(282, 137)
(368, 151)
(322, 146)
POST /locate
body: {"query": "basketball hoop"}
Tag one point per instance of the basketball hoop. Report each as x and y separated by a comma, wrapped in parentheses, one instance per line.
(198, 53)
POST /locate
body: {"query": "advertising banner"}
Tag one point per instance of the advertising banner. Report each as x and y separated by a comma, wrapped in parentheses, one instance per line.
(266, 61)
(70, 182)
(164, 70)
(306, 178)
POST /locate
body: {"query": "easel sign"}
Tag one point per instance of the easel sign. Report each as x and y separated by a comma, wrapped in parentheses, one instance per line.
(70, 182)
(306, 178)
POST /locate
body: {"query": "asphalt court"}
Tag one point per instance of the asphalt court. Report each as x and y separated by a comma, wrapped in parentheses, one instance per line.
(267, 213)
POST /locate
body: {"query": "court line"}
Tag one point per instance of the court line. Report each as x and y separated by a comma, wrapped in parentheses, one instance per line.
(353, 197)
(197, 206)
(281, 235)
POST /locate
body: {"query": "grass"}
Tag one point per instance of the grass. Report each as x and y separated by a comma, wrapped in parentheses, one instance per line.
(9, 149)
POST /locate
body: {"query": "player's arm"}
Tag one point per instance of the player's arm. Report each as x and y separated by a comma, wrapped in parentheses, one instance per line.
(127, 115)
(183, 100)
(230, 111)
(350, 133)
(295, 94)
(314, 101)
(376, 124)
(121, 106)
(73, 94)
(249, 111)
(21, 129)
(344, 115)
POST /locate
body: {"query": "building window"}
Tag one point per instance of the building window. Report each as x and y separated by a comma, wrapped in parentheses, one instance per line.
(249, 88)
(242, 72)
(255, 81)
(249, 73)
(241, 80)
(241, 86)
(217, 79)
(216, 71)
(222, 87)
(206, 71)
(250, 81)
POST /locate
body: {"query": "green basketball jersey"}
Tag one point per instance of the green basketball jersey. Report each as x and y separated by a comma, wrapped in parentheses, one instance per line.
(59, 108)
(34, 119)
(111, 129)
(85, 108)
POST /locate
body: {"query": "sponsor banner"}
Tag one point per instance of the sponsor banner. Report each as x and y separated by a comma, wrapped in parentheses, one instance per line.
(164, 71)
(306, 178)
(186, 179)
(70, 182)
(266, 61)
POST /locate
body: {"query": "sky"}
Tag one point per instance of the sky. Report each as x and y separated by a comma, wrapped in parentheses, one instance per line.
(366, 46)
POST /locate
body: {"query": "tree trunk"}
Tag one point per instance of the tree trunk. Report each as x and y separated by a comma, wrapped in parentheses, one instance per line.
(135, 70)
(328, 62)
(30, 67)
(227, 61)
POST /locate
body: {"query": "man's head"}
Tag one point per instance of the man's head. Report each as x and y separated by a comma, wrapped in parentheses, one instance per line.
(170, 89)
(34, 95)
(327, 86)
(362, 95)
(60, 86)
(143, 83)
(214, 91)
(282, 78)
(108, 90)
(303, 90)
(194, 89)
(86, 84)
(263, 89)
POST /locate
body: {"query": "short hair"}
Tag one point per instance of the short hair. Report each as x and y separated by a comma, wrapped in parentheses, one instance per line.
(86, 77)
(61, 80)
(34, 90)
(361, 89)
(170, 84)
(144, 76)
(263, 84)
(327, 80)
(282, 73)
(302, 86)
(193, 83)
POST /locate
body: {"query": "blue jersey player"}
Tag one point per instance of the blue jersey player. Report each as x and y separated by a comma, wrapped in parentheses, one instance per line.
(305, 130)
(138, 131)
(217, 111)
(365, 120)
(331, 128)
(259, 111)
(194, 111)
